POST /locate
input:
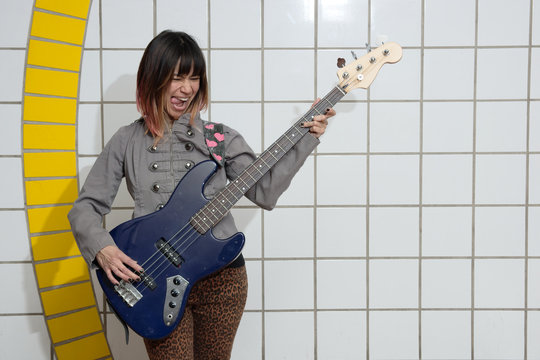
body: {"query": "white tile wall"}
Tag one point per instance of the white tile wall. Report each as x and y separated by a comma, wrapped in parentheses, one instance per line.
(225, 33)
(395, 127)
(289, 335)
(415, 232)
(446, 335)
(492, 340)
(498, 26)
(440, 16)
(288, 241)
(12, 76)
(341, 335)
(11, 115)
(393, 231)
(289, 24)
(90, 89)
(184, 15)
(447, 231)
(393, 335)
(15, 24)
(17, 246)
(136, 28)
(345, 235)
(393, 283)
(446, 283)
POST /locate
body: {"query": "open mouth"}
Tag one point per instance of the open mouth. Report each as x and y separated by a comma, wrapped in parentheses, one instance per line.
(178, 103)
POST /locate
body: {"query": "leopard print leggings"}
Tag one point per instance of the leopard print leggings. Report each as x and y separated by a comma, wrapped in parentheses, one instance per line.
(212, 315)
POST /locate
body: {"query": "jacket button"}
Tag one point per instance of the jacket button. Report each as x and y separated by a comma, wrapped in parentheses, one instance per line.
(188, 165)
(155, 187)
(189, 146)
(159, 207)
(152, 148)
(190, 132)
(155, 166)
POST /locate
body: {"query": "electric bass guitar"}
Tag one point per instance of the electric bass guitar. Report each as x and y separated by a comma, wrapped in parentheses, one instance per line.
(175, 245)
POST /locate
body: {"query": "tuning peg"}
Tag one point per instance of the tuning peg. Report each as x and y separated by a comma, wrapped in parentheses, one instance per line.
(368, 47)
(354, 55)
(340, 62)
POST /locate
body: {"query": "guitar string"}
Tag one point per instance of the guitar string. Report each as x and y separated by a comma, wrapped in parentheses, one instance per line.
(335, 94)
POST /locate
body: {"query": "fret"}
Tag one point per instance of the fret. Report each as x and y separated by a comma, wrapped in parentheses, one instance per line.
(246, 185)
(215, 208)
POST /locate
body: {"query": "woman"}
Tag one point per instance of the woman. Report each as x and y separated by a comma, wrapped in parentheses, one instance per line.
(153, 154)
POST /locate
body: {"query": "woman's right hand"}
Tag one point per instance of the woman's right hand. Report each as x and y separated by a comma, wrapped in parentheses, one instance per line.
(113, 261)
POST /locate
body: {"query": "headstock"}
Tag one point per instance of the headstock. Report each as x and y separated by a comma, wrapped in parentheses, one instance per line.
(361, 72)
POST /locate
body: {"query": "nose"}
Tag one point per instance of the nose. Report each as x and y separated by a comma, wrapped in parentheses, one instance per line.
(185, 86)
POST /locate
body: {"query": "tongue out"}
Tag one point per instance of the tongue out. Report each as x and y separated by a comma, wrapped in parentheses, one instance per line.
(178, 103)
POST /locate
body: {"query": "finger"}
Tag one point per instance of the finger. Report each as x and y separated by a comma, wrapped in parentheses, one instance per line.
(111, 277)
(130, 262)
(124, 273)
(127, 274)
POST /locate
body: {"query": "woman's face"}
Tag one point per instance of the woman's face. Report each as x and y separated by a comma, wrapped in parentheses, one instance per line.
(181, 92)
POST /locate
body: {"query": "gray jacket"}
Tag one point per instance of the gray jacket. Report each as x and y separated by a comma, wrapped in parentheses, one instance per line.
(152, 173)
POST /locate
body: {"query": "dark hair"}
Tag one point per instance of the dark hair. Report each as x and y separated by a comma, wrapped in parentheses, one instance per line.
(155, 73)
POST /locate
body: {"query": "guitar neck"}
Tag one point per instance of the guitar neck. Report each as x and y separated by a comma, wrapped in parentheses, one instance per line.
(219, 206)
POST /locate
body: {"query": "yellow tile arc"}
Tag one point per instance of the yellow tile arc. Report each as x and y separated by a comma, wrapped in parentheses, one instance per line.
(54, 246)
(74, 325)
(49, 137)
(51, 82)
(58, 27)
(51, 97)
(48, 219)
(67, 298)
(88, 348)
(56, 191)
(61, 272)
(74, 8)
(54, 55)
(50, 109)
(49, 164)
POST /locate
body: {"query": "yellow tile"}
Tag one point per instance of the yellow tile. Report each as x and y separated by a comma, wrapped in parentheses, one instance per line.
(68, 298)
(47, 109)
(51, 82)
(74, 8)
(50, 164)
(61, 272)
(88, 348)
(54, 55)
(58, 27)
(57, 191)
(74, 325)
(53, 218)
(46, 247)
(49, 137)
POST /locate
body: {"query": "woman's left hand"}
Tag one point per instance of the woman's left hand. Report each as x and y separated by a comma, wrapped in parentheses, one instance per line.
(317, 126)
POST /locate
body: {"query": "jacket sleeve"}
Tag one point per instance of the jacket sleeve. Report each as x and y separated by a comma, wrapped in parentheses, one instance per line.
(96, 198)
(269, 188)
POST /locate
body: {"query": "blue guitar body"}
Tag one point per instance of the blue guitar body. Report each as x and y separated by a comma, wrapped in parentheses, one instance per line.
(174, 257)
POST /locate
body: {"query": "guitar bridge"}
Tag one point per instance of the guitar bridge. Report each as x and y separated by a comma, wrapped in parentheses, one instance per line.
(128, 293)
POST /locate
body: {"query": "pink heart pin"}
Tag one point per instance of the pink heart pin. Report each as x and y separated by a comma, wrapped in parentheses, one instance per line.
(219, 137)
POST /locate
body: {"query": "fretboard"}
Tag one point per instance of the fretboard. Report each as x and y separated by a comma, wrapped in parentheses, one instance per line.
(220, 205)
